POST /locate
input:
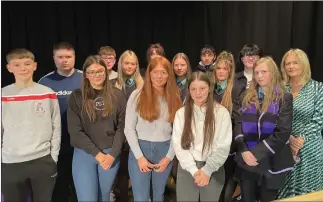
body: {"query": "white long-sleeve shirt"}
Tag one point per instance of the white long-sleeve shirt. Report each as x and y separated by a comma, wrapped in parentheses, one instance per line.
(220, 148)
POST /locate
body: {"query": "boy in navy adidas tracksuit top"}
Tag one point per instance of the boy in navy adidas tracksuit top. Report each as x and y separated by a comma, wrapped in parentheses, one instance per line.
(64, 80)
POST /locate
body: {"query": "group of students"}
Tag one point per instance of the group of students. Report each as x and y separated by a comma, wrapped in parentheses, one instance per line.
(210, 128)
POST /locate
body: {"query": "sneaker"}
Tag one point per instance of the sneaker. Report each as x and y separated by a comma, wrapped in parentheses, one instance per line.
(112, 196)
(237, 198)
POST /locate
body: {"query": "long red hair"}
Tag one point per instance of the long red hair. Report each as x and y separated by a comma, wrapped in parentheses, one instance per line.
(147, 105)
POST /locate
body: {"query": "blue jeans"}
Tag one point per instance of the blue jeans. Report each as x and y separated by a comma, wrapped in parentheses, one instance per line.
(140, 181)
(92, 182)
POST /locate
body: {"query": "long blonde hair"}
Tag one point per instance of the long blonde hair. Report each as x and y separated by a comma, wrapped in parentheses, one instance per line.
(302, 60)
(228, 59)
(275, 90)
(120, 82)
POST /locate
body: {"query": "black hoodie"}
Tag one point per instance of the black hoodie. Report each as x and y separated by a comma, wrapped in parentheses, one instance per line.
(104, 132)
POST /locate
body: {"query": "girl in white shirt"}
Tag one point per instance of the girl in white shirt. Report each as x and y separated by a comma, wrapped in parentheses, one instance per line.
(202, 135)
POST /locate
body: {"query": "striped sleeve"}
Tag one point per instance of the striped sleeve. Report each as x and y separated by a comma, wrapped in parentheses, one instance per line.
(282, 132)
(237, 125)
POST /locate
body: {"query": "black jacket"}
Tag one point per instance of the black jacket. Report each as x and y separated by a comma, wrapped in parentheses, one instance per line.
(208, 69)
(240, 81)
(272, 167)
(183, 93)
(236, 92)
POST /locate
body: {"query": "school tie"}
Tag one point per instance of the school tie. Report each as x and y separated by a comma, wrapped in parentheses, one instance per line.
(180, 85)
(261, 95)
(129, 83)
(218, 89)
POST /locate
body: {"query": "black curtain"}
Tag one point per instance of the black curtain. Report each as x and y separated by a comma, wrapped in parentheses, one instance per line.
(178, 26)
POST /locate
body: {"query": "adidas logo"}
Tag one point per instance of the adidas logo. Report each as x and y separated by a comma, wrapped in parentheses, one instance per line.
(64, 92)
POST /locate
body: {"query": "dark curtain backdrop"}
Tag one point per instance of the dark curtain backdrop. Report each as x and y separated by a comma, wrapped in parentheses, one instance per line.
(178, 26)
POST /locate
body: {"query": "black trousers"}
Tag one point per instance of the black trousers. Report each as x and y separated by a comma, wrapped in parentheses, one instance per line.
(121, 183)
(230, 184)
(41, 173)
(251, 190)
(174, 169)
(64, 188)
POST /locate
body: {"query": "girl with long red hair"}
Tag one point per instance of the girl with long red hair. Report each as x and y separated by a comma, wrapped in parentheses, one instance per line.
(149, 116)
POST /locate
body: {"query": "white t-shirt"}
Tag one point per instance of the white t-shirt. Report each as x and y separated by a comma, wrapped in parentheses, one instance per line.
(249, 78)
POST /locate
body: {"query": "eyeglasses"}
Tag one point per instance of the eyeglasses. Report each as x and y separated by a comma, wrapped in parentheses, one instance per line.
(255, 57)
(107, 58)
(156, 73)
(95, 73)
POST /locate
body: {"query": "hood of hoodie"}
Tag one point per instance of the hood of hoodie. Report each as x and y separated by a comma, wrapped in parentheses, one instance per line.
(204, 67)
(113, 75)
